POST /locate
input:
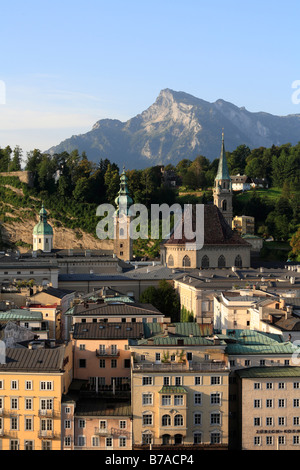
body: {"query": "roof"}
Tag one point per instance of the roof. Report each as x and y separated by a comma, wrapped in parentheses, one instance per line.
(216, 230)
(240, 179)
(98, 407)
(21, 315)
(269, 372)
(223, 172)
(33, 360)
(172, 389)
(118, 308)
(108, 330)
(54, 292)
(42, 227)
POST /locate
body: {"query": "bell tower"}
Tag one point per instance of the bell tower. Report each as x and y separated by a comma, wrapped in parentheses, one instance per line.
(222, 188)
(122, 240)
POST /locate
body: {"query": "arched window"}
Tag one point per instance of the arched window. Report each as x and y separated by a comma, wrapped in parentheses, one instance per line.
(224, 205)
(166, 439)
(221, 262)
(178, 420)
(170, 261)
(166, 420)
(178, 439)
(186, 262)
(205, 262)
(121, 232)
(238, 263)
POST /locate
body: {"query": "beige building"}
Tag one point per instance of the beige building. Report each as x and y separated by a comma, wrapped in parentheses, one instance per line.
(179, 390)
(269, 408)
(244, 224)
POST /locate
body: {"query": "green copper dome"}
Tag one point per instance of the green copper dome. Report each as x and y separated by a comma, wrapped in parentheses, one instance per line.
(42, 227)
(123, 200)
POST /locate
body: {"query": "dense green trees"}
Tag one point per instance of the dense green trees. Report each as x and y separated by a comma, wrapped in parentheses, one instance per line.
(164, 298)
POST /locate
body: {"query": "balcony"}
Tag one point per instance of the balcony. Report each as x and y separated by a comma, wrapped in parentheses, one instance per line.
(113, 432)
(47, 434)
(178, 367)
(106, 353)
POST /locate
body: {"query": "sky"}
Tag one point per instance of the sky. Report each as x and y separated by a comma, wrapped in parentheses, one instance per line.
(67, 64)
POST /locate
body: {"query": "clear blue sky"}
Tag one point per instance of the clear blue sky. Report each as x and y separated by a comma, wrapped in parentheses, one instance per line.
(66, 64)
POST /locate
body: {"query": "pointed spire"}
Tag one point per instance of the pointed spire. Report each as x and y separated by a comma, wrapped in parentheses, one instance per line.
(223, 172)
(123, 200)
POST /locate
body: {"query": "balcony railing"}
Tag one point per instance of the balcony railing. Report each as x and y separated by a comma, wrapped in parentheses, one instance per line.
(173, 366)
(46, 434)
(107, 352)
(114, 432)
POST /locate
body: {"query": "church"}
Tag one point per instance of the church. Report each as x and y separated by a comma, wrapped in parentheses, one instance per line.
(222, 247)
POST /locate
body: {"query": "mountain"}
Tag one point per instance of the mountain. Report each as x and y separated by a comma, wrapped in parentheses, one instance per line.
(177, 126)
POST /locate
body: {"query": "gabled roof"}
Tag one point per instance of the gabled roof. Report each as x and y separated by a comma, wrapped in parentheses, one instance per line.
(34, 360)
(216, 230)
(108, 330)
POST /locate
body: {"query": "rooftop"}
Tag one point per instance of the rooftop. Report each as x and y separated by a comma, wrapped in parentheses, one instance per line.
(269, 372)
(34, 360)
(108, 330)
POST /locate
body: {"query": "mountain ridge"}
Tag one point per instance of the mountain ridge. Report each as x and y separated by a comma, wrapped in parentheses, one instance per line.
(179, 125)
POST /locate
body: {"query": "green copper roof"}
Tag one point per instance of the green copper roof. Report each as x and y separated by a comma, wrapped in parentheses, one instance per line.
(170, 389)
(223, 172)
(123, 200)
(260, 372)
(21, 315)
(42, 227)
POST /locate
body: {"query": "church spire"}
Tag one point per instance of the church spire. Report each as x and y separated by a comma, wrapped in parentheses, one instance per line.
(123, 200)
(223, 172)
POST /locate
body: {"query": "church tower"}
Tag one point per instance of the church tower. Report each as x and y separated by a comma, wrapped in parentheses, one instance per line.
(122, 240)
(43, 233)
(222, 188)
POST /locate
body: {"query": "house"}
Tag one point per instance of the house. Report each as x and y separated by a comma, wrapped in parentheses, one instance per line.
(240, 182)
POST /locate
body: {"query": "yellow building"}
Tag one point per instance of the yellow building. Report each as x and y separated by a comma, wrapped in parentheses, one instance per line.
(32, 382)
(179, 385)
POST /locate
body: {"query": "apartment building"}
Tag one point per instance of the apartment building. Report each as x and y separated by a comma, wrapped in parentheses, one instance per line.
(179, 386)
(102, 355)
(269, 408)
(32, 382)
(102, 422)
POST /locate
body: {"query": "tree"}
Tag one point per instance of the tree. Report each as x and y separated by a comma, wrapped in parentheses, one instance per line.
(295, 245)
(164, 298)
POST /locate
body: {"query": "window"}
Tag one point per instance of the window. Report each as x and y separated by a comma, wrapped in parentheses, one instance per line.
(166, 420)
(281, 385)
(28, 424)
(147, 380)
(14, 385)
(197, 380)
(221, 262)
(269, 421)
(127, 363)
(238, 262)
(247, 363)
(166, 381)
(257, 440)
(46, 445)
(2, 384)
(171, 261)
(147, 398)
(146, 438)
(95, 441)
(296, 420)
(113, 363)
(215, 438)
(81, 423)
(166, 400)
(186, 262)
(46, 385)
(269, 385)
(157, 357)
(178, 420)
(215, 418)
(67, 410)
(189, 356)
(256, 421)
(147, 420)
(281, 421)
(197, 419)
(257, 403)
(215, 399)
(296, 402)
(281, 440)
(269, 403)
(122, 442)
(178, 381)
(262, 362)
(256, 385)
(122, 424)
(296, 440)
(46, 424)
(197, 398)
(269, 440)
(14, 423)
(102, 363)
(178, 400)
(215, 380)
(205, 262)
(28, 403)
(14, 444)
(296, 385)
(281, 403)
(197, 438)
(81, 441)
(28, 385)
(82, 347)
(46, 404)
(14, 403)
